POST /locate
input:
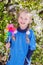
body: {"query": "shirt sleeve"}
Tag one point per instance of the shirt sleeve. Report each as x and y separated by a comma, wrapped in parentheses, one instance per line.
(29, 54)
(32, 42)
(32, 46)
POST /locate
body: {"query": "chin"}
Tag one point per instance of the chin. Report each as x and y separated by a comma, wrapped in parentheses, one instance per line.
(22, 27)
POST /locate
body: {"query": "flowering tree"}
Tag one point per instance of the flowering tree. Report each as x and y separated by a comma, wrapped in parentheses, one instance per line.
(8, 14)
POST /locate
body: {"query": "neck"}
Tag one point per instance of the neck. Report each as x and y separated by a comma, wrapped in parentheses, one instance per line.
(23, 27)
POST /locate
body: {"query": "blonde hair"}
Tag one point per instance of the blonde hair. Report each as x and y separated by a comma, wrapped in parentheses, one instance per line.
(26, 11)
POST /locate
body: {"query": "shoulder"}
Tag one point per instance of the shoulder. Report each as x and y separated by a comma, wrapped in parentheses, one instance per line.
(29, 32)
(32, 31)
(33, 34)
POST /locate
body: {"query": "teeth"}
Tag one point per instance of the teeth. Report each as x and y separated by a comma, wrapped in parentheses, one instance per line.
(22, 23)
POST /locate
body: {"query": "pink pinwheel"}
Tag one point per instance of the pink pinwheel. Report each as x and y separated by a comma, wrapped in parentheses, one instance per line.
(11, 28)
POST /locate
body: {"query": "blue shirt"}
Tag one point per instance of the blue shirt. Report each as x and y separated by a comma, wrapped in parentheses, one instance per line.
(20, 46)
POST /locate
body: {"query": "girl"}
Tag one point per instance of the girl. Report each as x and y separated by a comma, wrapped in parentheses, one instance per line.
(23, 43)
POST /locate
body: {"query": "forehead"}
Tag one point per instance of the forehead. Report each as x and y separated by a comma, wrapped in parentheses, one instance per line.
(25, 14)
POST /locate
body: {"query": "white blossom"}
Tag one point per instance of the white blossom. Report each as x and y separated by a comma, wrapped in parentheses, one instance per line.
(38, 29)
(20, 5)
(38, 21)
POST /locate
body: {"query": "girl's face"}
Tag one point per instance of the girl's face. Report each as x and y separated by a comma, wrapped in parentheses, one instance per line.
(24, 20)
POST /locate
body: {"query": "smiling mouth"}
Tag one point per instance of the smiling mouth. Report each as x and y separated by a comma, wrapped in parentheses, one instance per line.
(22, 23)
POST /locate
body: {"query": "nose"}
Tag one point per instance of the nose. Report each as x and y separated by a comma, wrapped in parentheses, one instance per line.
(23, 20)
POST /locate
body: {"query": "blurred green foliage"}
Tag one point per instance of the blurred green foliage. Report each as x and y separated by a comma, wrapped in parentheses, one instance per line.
(6, 16)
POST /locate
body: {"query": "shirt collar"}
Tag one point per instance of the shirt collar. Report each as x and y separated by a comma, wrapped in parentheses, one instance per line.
(20, 30)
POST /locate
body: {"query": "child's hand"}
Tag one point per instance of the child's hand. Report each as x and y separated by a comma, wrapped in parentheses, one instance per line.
(7, 45)
(4, 58)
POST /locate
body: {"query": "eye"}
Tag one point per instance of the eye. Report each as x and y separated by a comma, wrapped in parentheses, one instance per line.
(21, 17)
